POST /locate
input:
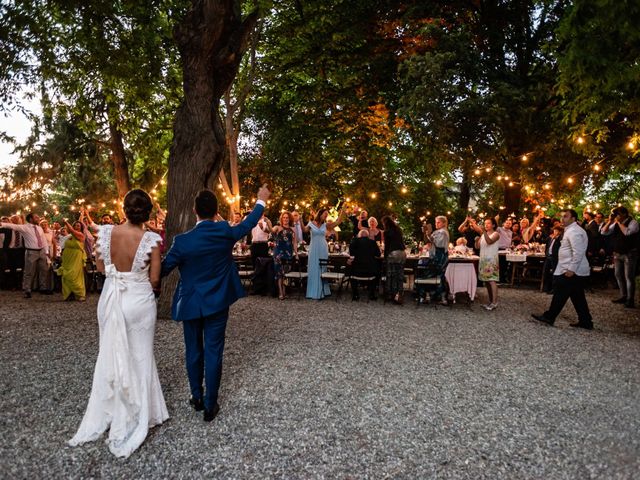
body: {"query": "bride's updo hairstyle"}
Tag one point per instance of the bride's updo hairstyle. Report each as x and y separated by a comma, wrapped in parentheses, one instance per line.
(137, 206)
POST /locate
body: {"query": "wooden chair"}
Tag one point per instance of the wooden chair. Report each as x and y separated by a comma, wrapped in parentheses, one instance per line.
(294, 275)
(333, 274)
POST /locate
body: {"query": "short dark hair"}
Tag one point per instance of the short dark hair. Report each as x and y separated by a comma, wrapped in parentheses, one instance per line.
(571, 212)
(29, 217)
(137, 206)
(206, 204)
(623, 211)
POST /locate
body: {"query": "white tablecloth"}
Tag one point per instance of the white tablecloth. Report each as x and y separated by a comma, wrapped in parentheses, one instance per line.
(462, 278)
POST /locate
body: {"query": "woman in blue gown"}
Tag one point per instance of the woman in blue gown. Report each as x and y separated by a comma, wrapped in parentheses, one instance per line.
(316, 287)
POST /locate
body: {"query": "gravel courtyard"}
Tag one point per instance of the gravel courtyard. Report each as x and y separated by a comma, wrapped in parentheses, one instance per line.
(344, 390)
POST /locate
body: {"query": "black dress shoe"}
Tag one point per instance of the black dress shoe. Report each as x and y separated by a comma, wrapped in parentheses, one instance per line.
(27, 294)
(197, 404)
(586, 326)
(620, 300)
(355, 298)
(629, 305)
(542, 318)
(46, 292)
(211, 414)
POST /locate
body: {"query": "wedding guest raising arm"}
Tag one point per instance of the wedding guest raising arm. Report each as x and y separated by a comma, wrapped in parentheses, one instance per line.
(488, 268)
(286, 246)
(73, 257)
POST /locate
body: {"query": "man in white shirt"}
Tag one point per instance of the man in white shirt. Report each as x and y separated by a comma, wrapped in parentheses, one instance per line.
(570, 275)
(259, 237)
(624, 231)
(35, 256)
(297, 226)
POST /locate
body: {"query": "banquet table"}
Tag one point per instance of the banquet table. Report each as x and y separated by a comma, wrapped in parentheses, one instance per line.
(461, 274)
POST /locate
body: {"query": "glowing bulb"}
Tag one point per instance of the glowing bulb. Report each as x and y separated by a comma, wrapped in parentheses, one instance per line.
(439, 182)
(404, 190)
(391, 204)
(490, 202)
(488, 169)
(524, 158)
(34, 204)
(103, 204)
(506, 178)
(511, 184)
(162, 182)
(428, 213)
(373, 195)
(448, 212)
(596, 167)
(570, 180)
(499, 177)
(580, 140)
(477, 171)
(631, 146)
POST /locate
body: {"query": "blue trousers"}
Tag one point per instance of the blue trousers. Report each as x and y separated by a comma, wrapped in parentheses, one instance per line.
(204, 347)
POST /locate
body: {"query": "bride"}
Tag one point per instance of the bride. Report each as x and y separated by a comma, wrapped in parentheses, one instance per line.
(126, 397)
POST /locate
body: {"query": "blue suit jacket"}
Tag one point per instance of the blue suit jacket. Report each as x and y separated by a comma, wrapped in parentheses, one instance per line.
(209, 281)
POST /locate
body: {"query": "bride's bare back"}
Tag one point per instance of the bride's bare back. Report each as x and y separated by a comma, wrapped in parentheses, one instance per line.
(125, 240)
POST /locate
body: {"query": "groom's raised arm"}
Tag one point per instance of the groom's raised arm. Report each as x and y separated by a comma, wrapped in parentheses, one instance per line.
(244, 227)
(171, 260)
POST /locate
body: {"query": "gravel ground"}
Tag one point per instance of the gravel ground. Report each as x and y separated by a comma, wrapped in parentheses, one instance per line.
(343, 390)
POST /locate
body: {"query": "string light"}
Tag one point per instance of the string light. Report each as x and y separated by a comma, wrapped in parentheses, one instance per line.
(596, 167)
(570, 180)
(477, 171)
(580, 140)
(631, 145)
(404, 190)
(488, 169)
(439, 183)
(524, 158)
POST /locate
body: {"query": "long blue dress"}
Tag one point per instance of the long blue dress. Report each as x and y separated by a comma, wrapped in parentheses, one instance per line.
(316, 287)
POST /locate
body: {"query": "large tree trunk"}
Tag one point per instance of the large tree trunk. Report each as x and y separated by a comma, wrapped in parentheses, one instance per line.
(119, 160)
(212, 39)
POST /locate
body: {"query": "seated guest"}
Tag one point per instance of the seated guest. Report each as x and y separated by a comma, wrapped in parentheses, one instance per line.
(551, 259)
(374, 232)
(461, 246)
(365, 262)
(516, 237)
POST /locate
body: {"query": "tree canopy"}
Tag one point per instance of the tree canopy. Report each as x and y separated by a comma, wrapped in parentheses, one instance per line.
(409, 107)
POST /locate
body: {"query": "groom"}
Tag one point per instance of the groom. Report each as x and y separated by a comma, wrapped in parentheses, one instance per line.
(209, 284)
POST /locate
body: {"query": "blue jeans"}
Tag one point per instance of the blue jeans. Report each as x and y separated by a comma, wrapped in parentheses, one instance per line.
(204, 347)
(625, 269)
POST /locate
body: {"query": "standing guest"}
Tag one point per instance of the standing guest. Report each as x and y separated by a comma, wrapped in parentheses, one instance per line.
(551, 258)
(259, 239)
(16, 253)
(298, 226)
(468, 233)
(439, 252)
(375, 233)
(488, 268)
(74, 257)
(624, 231)
(106, 219)
(52, 248)
(5, 239)
(209, 284)
(394, 256)
(35, 256)
(359, 220)
(317, 289)
(286, 246)
(236, 218)
(570, 275)
(506, 236)
(365, 254)
(529, 231)
(593, 232)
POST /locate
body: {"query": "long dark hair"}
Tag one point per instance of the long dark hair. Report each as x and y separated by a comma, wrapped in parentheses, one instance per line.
(318, 218)
(390, 226)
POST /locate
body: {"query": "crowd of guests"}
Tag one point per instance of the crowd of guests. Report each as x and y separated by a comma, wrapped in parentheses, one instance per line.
(38, 256)
(58, 256)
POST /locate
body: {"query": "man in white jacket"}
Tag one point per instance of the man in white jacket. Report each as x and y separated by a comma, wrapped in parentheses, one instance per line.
(571, 274)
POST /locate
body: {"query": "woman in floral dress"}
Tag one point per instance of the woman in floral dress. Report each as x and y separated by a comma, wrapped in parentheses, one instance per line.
(488, 270)
(286, 245)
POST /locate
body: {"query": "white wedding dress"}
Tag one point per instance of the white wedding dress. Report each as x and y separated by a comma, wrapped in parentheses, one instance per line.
(126, 397)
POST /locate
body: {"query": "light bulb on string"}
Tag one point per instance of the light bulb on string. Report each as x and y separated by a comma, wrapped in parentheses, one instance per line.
(524, 158)
(580, 140)
(439, 183)
(499, 177)
(596, 167)
(403, 190)
(631, 145)
(477, 171)
(570, 180)
(488, 169)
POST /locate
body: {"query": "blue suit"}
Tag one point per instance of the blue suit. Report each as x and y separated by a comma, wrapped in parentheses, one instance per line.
(209, 284)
